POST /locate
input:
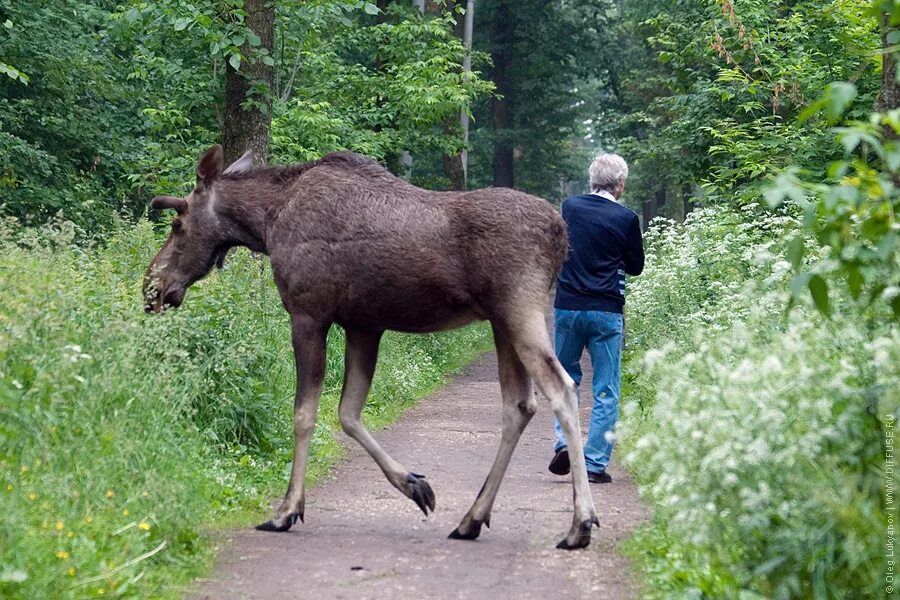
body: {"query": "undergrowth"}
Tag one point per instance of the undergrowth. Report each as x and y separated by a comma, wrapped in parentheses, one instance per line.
(756, 432)
(125, 437)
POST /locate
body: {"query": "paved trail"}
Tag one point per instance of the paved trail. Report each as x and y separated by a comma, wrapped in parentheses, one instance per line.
(363, 539)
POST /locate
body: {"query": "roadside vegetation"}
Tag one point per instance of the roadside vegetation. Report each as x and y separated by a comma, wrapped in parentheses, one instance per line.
(125, 438)
(762, 380)
(756, 434)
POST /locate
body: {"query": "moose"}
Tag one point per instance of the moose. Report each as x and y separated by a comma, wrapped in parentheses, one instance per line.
(351, 244)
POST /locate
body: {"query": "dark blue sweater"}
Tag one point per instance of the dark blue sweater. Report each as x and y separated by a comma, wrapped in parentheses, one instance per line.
(604, 244)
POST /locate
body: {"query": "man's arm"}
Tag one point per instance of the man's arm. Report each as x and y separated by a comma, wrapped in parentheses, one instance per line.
(634, 248)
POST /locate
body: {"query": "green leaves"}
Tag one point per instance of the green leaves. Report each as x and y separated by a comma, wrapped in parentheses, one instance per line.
(786, 185)
(370, 8)
(9, 70)
(852, 217)
(709, 94)
(852, 137)
(834, 102)
(374, 89)
(819, 291)
(13, 73)
(795, 250)
(816, 286)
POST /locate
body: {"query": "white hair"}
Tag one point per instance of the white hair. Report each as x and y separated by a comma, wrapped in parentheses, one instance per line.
(607, 171)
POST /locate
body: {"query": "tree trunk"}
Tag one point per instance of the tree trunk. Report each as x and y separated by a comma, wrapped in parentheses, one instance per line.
(382, 10)
(889, 97)
(660, 198)
(456, 166)
(501, 43)
(687, 202)
(453, 165)
(248, 128)
(468, 35)
(649, 210)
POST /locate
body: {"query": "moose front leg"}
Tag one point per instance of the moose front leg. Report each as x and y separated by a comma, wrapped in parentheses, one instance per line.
(309, 338)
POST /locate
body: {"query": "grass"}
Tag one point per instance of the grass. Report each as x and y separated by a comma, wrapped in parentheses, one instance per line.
(124, 438)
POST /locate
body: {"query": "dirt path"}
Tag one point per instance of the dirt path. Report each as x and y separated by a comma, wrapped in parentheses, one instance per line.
(362, 539)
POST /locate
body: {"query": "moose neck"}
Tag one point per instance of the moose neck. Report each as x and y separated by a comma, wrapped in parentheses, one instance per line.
(247, 210)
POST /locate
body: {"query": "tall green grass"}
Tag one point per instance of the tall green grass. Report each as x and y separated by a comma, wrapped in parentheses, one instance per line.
(124, 437)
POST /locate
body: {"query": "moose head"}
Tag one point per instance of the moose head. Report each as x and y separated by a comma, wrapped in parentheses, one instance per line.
(198, 239)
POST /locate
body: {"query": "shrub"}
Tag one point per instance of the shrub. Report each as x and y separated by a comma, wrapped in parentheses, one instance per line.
(755, 431)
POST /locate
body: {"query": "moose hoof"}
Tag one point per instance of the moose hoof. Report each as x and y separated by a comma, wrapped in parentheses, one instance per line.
(471, 533)
(420, 492)
(580, 538)
(285, 524)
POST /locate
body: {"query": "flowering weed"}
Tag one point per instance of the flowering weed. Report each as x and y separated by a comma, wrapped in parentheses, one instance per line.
(756, 432)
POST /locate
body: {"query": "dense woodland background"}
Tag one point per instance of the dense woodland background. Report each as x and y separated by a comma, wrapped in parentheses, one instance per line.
(762, 376)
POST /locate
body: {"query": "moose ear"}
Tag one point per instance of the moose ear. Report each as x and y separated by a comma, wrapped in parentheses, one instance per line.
(163, 202)
(241, 165)
(211, 165)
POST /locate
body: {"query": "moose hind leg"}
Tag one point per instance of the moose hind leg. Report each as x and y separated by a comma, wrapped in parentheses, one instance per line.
(359, 365)
(309, 340)
(532, 344)
(519, 405)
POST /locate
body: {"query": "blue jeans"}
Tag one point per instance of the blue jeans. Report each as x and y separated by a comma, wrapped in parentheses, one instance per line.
(601, 332)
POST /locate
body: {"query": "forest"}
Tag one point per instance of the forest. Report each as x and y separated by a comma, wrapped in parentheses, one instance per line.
(761, 377)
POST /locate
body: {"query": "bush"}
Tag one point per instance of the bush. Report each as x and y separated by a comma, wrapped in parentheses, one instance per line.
(123, 436)
(756, 432)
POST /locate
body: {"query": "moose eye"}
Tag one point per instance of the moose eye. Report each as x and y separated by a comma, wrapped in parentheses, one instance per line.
(176, 225)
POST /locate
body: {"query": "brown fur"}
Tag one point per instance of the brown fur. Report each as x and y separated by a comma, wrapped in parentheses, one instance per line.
(352, 244)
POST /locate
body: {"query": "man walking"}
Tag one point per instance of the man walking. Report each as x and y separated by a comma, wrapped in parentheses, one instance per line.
(604, 244)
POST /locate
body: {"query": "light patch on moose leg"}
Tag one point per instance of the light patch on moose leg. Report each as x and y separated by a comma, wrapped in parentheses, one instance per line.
(309, 349)
(360, 357)
(532, 344)
(585, 516)
(519, 405)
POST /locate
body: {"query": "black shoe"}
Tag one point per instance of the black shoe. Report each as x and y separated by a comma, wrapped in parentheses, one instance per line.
(560, 463)
(601, 477)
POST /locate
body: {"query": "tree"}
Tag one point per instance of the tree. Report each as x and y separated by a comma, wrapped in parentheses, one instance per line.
(69, 129)
(549, 59)
(889, 95)
(249, 86)
(121, 97)
(455, 164)
(707, 93)
(502, 39)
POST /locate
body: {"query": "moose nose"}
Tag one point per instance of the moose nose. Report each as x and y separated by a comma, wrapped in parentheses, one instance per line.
(173, 297)
(153, 295)
(152, 304)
